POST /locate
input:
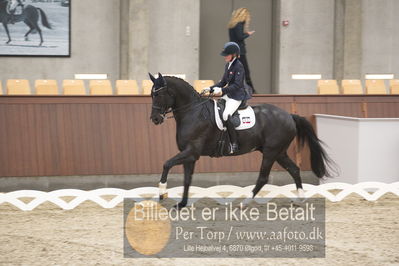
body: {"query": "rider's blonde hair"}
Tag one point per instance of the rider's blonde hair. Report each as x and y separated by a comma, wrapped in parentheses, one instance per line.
(240, 15)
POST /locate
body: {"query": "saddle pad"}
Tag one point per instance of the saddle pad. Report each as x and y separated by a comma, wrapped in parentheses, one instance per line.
(247, 118)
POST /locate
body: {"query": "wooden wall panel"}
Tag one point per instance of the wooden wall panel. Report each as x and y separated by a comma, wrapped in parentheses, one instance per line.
(96, 135)
(378, 106)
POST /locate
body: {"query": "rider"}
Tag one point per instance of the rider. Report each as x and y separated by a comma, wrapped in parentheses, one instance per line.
(232, 88)
(13, 19)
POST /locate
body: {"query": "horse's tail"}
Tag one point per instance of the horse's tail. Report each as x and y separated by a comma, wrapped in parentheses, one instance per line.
(45, 21)
(319, 159)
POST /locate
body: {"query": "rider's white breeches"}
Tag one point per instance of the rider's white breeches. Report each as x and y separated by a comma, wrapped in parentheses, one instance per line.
(231, 106)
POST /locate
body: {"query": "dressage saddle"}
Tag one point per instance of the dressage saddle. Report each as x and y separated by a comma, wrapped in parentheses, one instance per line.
(235, 118)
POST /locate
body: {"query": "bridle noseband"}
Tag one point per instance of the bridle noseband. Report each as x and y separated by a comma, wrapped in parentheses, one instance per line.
(162, 109)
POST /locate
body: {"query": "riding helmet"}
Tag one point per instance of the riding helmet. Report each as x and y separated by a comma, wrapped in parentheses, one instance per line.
(230, 48)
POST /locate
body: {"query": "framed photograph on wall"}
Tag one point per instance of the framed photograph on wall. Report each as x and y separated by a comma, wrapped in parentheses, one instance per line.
(35, 28)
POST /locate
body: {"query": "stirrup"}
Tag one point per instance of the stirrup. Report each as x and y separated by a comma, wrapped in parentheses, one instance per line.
(233, 148)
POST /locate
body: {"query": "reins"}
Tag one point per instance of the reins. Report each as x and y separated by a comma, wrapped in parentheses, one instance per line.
(171, 110)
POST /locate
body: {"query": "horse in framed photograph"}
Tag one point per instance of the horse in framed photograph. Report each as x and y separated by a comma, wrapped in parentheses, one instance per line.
(30, 16)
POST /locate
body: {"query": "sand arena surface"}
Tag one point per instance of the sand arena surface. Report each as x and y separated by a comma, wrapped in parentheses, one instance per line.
(358, 232)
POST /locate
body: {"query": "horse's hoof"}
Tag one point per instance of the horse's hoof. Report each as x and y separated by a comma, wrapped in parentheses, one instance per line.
(301, 193)
(301, 196)
(179, 206)
(163, 192)
(163, 196)
(246, 202)
(298, 201)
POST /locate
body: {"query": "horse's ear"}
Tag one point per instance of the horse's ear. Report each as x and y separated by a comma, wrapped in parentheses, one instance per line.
(162, 78)
(153, 79)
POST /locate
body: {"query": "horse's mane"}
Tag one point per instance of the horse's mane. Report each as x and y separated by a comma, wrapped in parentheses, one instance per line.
(181, 83)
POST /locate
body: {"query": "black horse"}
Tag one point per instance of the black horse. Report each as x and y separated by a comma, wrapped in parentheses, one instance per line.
(30, 16)
(197, 134)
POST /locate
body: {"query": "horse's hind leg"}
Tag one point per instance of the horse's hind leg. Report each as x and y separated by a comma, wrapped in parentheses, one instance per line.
(41, 36)
(31, 28)
(293, 170)
(26, 34)
(269, 157)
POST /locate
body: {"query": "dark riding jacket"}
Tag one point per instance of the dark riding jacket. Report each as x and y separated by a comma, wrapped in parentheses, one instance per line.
(232, 82)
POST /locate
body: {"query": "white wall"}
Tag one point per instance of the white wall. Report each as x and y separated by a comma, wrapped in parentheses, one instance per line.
(344, 153)
(365, 149)
(379, 150)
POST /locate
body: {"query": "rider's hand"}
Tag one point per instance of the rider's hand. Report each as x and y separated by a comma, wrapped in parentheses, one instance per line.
(206, 90)
(217, 90)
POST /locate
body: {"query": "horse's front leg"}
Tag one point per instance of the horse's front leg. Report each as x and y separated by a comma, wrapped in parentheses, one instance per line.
(188, 174)
(185, 156)
(7, 31)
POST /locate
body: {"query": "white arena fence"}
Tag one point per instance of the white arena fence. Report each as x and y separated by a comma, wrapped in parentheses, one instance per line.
(370, 191)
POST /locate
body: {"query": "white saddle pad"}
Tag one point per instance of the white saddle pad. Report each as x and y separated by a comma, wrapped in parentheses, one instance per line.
(247, 118)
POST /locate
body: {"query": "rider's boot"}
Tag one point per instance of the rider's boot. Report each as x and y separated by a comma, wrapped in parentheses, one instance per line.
(233, 136)
(12, 19)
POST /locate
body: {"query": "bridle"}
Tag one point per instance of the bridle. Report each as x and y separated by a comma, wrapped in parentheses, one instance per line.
(166, 110)
(162, 109)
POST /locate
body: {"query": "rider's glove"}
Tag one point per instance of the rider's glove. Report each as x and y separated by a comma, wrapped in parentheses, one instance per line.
(216, 90)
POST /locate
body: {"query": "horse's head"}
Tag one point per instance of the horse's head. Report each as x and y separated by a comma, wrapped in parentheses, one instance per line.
(162, 99)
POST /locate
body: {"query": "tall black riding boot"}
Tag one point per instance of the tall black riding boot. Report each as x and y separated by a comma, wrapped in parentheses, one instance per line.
(233, 136)
(12, 19)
